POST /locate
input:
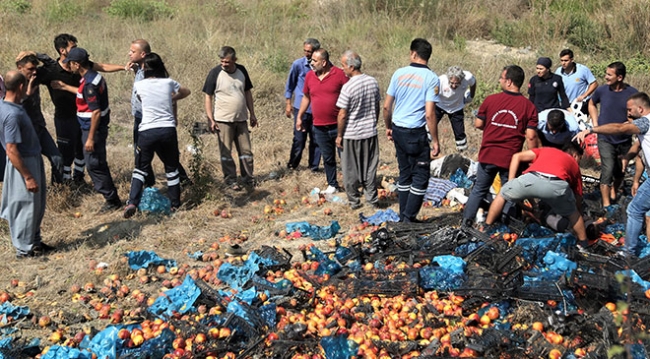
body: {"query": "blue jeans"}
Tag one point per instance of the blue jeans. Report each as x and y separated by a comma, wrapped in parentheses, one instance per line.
(326, 139)
(413, 159)
(300, 140)
(485, 175)
(636, 212)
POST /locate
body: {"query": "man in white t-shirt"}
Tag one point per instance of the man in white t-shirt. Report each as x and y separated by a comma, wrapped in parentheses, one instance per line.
(457, 88)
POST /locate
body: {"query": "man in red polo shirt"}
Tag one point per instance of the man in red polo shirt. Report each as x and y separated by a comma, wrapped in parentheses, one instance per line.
(554, 177)
(321, 90)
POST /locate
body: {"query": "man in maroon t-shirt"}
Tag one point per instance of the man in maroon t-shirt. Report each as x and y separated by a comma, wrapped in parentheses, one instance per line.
(507, 119)
(321, 90)
(554, 177)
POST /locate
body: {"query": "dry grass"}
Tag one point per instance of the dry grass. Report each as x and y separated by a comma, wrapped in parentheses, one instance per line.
(267, 36)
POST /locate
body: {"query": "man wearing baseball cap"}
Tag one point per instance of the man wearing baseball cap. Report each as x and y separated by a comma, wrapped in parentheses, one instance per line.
(93, 114)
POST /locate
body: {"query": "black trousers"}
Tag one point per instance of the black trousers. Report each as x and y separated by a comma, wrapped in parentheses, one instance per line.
(97, 165)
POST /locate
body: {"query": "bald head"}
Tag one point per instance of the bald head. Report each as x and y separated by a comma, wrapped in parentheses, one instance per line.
(14, 79)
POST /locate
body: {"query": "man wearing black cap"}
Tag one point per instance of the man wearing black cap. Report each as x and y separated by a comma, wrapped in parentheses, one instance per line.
(93, 115)
(545, 88)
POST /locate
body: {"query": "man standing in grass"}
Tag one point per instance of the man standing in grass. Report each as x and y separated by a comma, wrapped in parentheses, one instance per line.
(409, 107)
(93, 114)
(295, 83)
(612, 97)
(23, 194)
(579, 82)
(357, 130)
(228, 105)
(507, 119)
(321, 90)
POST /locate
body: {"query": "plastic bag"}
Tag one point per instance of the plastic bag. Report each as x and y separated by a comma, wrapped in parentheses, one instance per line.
(153, 201)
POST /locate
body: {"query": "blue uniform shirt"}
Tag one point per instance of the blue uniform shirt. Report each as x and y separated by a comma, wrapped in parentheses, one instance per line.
(576, 82)
(412, 87)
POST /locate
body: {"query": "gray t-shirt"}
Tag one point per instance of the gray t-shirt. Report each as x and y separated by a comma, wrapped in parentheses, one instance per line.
(155, 97)
(16, 127)
(136, 106)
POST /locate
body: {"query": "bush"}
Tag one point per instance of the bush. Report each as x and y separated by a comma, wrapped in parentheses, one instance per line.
(62, 10)
(17, 6)
(145, 10)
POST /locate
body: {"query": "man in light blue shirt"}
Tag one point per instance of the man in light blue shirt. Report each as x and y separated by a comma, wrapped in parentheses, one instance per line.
(293, 88)
(556, 127)
(409, 106)
(579, 82)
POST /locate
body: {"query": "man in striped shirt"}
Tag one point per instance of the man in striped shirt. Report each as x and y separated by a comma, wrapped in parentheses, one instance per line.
(358, 106)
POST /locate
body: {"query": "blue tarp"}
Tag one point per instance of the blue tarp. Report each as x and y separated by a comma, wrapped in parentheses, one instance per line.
(143, 259)
(314, 231)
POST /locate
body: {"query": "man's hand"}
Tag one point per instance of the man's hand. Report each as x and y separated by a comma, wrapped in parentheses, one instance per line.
(57, 163)
(299, 124)
(31, 185)
(389, 134)
(580, 98)
(253, 121)
(339, 142)
(90, 145)
(635, 188)
(213, 126)
(580, 137)
(57, 84)
(435, 149)
(288, 111)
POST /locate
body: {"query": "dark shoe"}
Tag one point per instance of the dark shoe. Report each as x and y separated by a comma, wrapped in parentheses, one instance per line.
(129, 211)
(357, 205)
(186, 182)
(235, 187)
(42, 248)
(584, 245)
(110, 206)
(23, 255)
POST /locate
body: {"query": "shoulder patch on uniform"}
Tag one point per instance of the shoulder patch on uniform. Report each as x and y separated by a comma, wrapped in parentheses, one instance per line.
(436, 90)
(97, 79)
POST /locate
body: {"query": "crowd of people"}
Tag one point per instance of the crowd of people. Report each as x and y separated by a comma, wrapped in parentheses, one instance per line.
(336, 109)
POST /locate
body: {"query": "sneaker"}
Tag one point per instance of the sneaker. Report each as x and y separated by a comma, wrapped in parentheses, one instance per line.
(235, 250)
(130, 210)
(110, 206)
(583, 245)
(23, 255)
(354, 206)
(330, 190)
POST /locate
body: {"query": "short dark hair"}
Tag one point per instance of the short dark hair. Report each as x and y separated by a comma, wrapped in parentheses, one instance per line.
(515, 74)
(32, 59)
(619, 68)
(323, 54)
(641, 98)
(13, 80)
(227, 51)
(555, 120)
(154, 66)
(61, 41)
(422, 48)
(573, 148)
(566, 52)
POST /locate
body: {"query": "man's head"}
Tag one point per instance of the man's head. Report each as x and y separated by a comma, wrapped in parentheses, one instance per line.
(77, 58)
(14, 82)
(26, 63)
(566, 59)
(638, 105)
(456, 76)
(512, 77)
(555, 121)
(421, 48)
(319, 60)
(63, 43)
(615, 73)
(543, 67)
(350, 62)
(138, 51)
(573, 149)
(228, 58)
(309, 46)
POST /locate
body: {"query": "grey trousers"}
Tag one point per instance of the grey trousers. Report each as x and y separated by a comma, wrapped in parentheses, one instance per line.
(24, 210)
(360, 159)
